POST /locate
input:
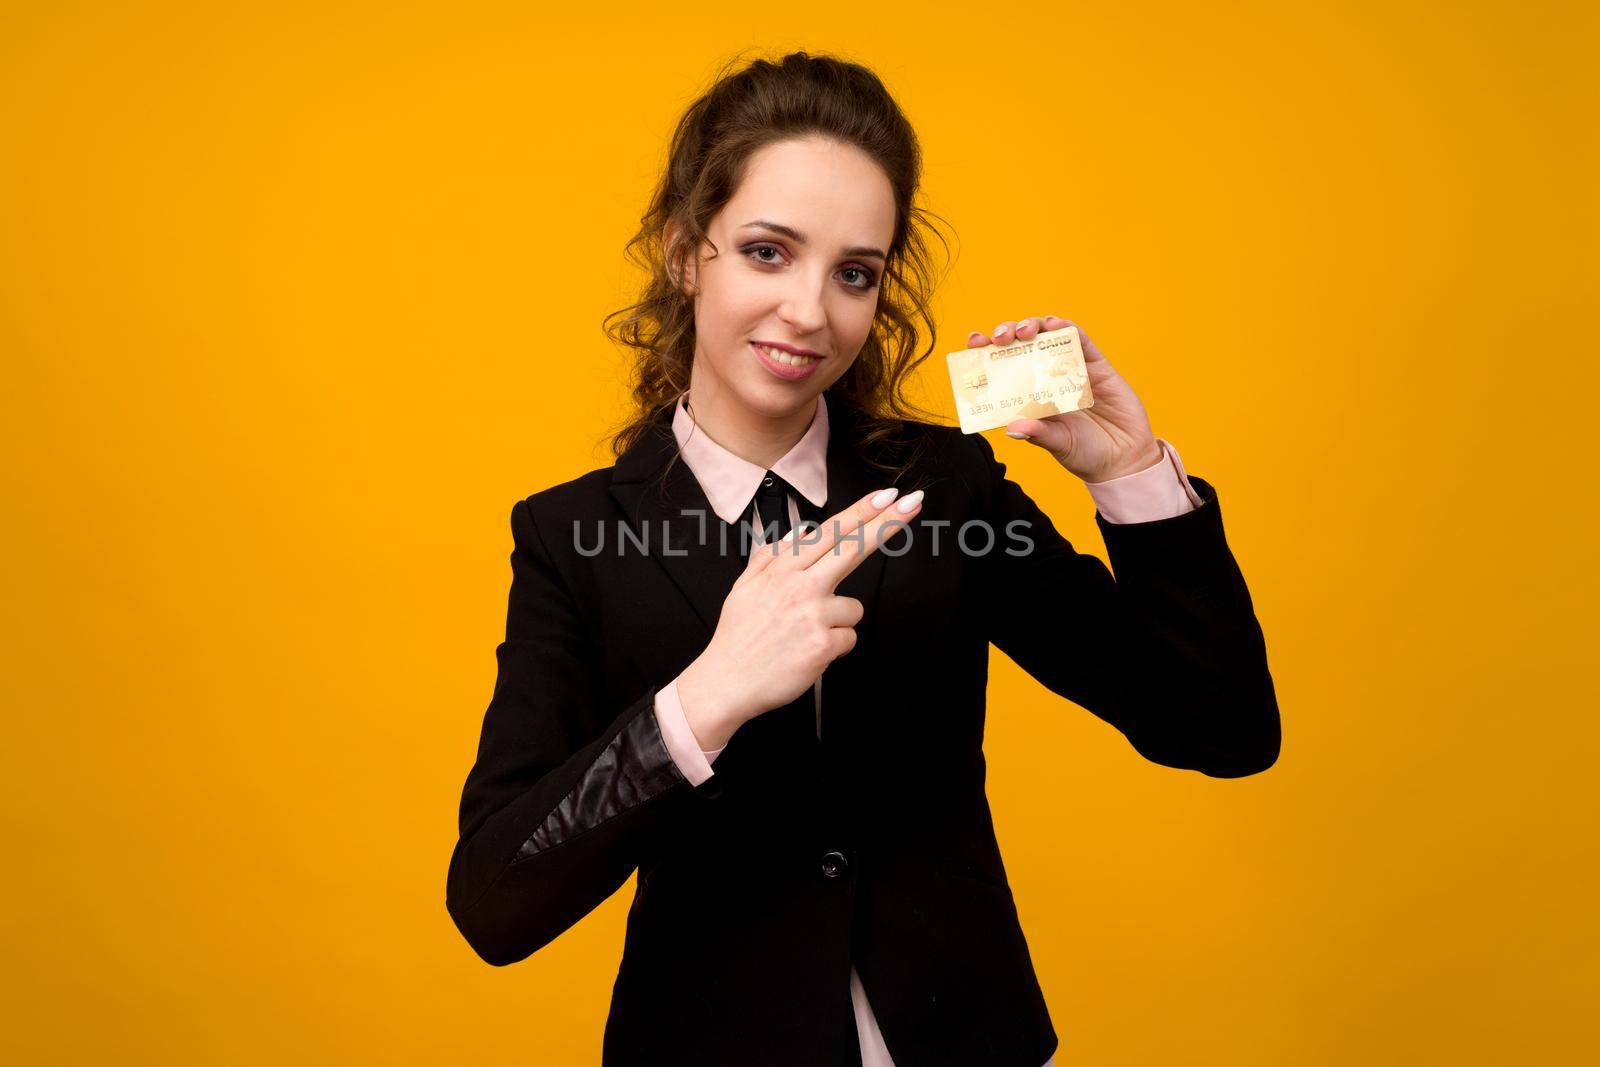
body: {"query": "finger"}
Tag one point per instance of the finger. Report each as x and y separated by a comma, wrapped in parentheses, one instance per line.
(1027, 329)
(1055, 322)
(1049, 434)
(842, 610)
(1003, 334)
(761, 555)
(810, 545)
(977, 340)
(851, 545)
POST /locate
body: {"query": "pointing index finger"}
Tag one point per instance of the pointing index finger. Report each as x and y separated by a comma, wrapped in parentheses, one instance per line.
(854, 534)
(813, 543)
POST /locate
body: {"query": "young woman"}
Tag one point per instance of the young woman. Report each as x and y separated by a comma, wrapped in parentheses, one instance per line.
(784, 737)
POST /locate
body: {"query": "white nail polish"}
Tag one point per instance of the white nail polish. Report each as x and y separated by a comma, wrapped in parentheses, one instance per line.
(882, 498)
(905, 506)
(1018, 436)
(998, 329)
(1023, 323)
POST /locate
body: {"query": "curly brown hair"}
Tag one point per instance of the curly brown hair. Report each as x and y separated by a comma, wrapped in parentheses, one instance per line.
(743, 111)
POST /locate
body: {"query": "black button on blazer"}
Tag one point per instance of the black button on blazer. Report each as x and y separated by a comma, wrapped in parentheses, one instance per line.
(873, 845)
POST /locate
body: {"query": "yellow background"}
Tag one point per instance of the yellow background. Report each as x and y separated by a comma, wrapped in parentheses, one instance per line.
(296, 301)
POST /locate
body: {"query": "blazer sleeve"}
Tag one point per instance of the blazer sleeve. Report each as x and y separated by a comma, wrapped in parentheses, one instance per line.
(1164, 645)
(566, 795)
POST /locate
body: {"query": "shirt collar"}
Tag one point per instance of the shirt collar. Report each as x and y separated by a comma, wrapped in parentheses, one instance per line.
(730, 482)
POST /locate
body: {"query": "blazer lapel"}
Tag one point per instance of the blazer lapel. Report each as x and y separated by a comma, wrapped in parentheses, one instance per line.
(669, 514)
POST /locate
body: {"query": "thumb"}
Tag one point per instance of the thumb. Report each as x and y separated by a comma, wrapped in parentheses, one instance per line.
(1050, 436)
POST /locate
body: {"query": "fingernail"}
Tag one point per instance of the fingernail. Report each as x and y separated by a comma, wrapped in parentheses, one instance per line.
(1023, 323)
(1018, 436)
(1000, 329)
(882, 497)
(974, 336)
(909, 503)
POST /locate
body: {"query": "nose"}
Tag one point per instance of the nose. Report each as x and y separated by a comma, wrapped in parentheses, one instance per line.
(802, 309)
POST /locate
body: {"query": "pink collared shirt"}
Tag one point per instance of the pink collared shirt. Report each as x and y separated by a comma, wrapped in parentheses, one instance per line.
(1160, 491)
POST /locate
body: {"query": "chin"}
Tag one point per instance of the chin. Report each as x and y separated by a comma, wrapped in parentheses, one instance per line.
(775, 399)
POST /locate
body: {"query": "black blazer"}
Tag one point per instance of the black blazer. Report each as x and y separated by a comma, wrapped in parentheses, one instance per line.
(759, 888)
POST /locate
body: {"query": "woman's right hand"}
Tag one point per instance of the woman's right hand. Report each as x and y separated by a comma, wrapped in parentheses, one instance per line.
(781, 624)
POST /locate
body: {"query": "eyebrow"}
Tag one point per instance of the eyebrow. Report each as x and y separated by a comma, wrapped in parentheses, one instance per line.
(800, 238)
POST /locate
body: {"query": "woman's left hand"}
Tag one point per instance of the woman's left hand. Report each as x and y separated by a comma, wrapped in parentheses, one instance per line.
(1107, 440)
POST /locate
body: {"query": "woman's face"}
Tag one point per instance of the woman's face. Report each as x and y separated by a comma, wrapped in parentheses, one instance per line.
(800, 261)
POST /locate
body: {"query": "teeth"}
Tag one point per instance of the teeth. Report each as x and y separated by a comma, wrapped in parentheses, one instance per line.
(788, 358)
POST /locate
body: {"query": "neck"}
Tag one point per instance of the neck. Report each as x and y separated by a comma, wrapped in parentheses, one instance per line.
(751, 435)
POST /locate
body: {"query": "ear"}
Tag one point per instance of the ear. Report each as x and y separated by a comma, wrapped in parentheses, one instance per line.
(668, 241)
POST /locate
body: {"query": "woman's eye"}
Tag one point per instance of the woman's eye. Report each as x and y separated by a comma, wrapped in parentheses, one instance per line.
(864, 280)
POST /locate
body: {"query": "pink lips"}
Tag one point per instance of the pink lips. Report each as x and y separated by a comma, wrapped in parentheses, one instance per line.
(783, 370)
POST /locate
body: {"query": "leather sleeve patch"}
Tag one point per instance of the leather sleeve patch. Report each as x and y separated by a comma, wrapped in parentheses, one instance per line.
(632, 769)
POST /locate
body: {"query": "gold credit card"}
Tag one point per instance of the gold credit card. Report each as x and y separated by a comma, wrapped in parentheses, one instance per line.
(1030, 379)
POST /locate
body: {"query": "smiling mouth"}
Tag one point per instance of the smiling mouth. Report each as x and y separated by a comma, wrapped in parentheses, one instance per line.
(789, 359)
